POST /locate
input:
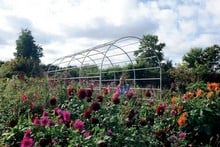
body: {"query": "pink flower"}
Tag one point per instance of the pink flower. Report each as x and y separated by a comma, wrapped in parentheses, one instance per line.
(87, 134)
(109, 132)
(36, 121)
(182, 135)
(27, 142)
(66, 116)
(45, 113)
(59, 111)
(24, 98)
(44, 121)
(152, 101)
(32, 105)
(27, 133)
(79, 125)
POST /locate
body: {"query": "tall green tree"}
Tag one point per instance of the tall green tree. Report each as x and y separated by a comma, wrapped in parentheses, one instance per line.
(26, 47)
(150, 51)
(28, 54)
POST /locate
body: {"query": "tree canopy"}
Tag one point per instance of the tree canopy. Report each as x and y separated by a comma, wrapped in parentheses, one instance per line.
(26, 47)
(203, 60)
(150, 51)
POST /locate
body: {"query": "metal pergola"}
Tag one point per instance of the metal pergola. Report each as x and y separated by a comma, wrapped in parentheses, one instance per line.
(94, 64)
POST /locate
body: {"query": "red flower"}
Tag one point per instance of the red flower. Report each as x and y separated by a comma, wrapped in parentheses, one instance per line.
(87, 113)
(115, 98)
(93, 120)
(71, 91)
(100, 97)
(148, 94)
(24, 98)
(88, 93)
(81, 94)
(160, 109)
(44, 141)
(105, 91)
(95, 106)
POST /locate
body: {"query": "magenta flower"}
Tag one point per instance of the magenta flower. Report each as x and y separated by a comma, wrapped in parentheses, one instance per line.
(27, 133)
(79, 125)
(182, 135)
(45, 113)
(36, 121)
(27, 142)
(66, 116)
(44, 121)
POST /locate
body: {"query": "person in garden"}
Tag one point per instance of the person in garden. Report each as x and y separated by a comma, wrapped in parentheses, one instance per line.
(123, 87)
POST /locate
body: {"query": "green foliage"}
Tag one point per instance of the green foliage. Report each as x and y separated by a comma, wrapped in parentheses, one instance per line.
(27, 57)
(203, 61)
(134, 121)
(149, 48)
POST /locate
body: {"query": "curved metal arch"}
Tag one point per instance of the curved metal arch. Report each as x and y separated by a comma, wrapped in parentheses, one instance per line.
(113, 44)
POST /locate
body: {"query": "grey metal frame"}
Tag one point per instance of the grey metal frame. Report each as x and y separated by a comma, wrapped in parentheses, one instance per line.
(103, 50)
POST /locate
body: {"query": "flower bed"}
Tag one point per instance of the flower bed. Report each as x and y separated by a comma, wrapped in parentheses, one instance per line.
(37, 112)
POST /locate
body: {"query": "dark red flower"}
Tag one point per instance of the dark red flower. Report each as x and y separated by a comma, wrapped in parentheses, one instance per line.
(13, 122)
(148, 94)
(128, 123)
(87, 113)
(161, 135)
(88, 99)
(88, 93)
(143, 122)
(105, 91)
(44, 141)
(160, 109)
(71, 91)
(132, 113)
(53, 101)
(102, 144)
(99, 97)
(81, 94)
(94, 120)
(95, 106)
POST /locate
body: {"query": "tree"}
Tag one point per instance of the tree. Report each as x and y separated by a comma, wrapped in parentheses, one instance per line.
(211, 55)
(28, 54)
(150, 51)
(26, 46)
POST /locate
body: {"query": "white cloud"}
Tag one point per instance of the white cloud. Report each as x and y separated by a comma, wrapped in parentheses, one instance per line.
(64, 27)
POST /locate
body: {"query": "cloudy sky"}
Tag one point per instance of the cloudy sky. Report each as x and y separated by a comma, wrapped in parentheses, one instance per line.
(65, 27)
